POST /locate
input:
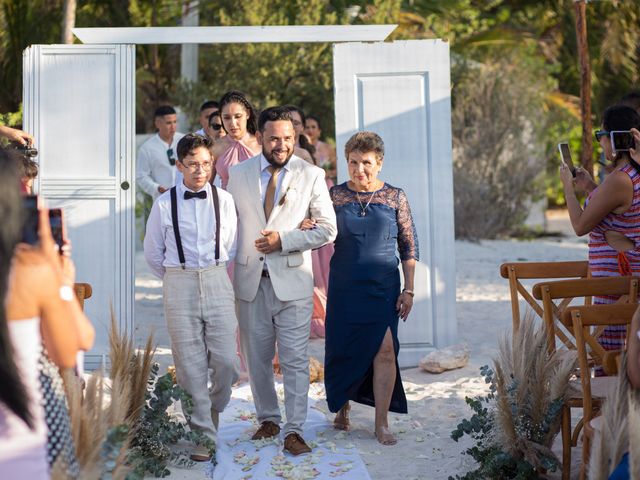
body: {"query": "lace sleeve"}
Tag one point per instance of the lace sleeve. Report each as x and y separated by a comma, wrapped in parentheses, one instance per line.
(407, 235)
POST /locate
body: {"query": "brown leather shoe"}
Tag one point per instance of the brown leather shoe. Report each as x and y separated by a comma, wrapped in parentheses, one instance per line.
(295, 444)
(267, 429)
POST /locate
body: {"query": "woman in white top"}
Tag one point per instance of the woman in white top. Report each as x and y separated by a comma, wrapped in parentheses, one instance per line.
(35, 283)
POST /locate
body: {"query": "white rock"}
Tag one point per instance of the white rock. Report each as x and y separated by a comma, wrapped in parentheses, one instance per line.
(449, 358)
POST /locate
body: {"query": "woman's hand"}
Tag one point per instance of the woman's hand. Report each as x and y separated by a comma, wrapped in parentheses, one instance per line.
(566, 177)
(584, 181)
(635, 152)
(403, 305)
(308, 224)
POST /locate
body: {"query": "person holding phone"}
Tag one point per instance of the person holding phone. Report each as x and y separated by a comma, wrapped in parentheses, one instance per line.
(611, 215)
(39, 309)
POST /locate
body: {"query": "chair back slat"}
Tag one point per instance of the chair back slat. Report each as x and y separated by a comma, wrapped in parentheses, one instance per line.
(82, 291)
(517, 271)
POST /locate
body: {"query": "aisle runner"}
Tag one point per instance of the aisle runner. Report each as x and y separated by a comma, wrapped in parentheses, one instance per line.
(239, 458)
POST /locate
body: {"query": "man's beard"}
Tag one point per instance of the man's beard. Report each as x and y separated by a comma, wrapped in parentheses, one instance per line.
(273, 161)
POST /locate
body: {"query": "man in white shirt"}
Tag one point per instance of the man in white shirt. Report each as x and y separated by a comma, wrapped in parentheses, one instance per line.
(156, 160)
(188, 244)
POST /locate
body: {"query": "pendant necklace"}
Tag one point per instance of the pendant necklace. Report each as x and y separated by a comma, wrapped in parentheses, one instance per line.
(363, 208)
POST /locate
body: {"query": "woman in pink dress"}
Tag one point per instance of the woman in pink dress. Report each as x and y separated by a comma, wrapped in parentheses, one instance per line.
(239, 144)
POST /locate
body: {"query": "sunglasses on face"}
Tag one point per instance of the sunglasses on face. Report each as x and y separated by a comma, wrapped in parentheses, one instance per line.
(601, 133)
(215, 126)
(170, 157)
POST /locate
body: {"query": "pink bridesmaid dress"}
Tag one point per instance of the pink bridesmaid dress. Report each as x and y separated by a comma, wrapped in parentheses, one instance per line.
(236, 153)
(320, 259)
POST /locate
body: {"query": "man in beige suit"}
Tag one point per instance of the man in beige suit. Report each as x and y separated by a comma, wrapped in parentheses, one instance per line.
(273, 281)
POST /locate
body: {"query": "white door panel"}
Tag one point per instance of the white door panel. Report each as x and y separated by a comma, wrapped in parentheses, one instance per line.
(79, 104)
(401, 91)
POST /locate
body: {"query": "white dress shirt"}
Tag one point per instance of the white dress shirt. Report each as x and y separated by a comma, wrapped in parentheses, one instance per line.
(152, 164)
(265, 176)
(197, 224)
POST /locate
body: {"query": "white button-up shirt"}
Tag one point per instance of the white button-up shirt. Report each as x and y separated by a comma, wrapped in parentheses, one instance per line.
(265, 176)
(153, 169)
(197, 224)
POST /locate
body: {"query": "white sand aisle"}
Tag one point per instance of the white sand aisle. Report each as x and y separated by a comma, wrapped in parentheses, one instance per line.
(239, 458)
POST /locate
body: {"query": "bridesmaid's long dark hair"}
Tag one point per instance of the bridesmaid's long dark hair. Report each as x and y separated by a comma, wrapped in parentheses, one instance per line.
(12, 393)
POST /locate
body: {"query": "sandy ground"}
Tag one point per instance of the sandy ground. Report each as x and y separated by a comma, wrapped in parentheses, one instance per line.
(436, 402)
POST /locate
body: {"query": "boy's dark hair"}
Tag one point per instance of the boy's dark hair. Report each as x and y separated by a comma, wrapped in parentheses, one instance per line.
(209, 104)
(190, 142)
(273, 114)
(164, 110)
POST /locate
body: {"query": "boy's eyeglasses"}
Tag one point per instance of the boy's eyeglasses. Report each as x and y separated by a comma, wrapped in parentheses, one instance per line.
(215, 126)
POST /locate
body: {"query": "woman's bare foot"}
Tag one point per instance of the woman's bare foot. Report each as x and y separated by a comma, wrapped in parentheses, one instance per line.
(385, 437)
(341, 422)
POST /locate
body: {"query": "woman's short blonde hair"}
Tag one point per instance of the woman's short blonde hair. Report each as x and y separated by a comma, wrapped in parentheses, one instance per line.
(365, 142)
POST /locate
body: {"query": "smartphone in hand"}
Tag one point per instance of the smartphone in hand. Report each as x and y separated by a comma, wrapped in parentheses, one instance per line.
(622, 140)
(31, 220)
(565, 155)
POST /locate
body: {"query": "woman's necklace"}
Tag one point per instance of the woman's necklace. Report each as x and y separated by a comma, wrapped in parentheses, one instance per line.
(363, 208)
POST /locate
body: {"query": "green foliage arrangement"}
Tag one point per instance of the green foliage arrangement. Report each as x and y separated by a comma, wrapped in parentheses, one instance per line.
(150, 449)
(513, 427)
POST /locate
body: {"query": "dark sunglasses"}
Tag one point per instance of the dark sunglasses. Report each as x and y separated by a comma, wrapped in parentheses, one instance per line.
(601, 133)
(172, 160)
(215, 126)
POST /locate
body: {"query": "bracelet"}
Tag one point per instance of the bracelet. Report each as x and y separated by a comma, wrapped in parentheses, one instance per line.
(409, 292)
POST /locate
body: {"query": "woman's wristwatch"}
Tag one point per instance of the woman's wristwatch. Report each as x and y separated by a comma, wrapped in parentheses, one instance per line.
(408, 292)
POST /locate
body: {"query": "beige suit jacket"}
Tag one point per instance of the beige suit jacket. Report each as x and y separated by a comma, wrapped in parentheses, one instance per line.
(303, 194)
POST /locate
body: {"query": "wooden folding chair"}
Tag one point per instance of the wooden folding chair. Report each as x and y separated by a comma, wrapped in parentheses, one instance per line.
(566, 290)
(560, 326)
(586, 322)
(517, 271)
(83, 291)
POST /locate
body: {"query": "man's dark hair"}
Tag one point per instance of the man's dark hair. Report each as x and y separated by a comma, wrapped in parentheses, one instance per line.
(234, 96)
(190, 142)
(295, 108)
(164, 110)
(273, 114)
(209, 104)
(632, 99)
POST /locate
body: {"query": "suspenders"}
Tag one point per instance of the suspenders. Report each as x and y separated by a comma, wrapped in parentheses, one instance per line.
(176, 228)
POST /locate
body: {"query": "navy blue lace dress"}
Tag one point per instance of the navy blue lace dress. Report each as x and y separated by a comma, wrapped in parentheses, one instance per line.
(364, 284)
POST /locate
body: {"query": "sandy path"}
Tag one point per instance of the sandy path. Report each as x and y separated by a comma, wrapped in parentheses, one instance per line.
(436, 402)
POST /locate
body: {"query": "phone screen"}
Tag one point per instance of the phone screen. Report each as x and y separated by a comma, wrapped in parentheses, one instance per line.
(31, 220)
(565, 154)
(57, 231)
(622, 140)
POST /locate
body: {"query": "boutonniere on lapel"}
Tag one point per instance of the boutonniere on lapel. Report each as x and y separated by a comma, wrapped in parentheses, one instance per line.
(289, 195)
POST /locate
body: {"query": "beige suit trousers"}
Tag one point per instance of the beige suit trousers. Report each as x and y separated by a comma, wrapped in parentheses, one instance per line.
(264, 322)
(199, 308)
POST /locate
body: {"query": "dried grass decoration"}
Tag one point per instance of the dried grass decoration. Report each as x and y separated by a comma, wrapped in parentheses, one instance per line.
(620, 421)
(514, 425)
(130, 433)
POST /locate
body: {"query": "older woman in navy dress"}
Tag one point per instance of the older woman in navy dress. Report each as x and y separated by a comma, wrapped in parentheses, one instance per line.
(364, 300)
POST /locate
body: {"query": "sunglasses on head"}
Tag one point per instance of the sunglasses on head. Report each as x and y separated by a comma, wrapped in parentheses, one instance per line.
(172, 160)
(215, 126)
